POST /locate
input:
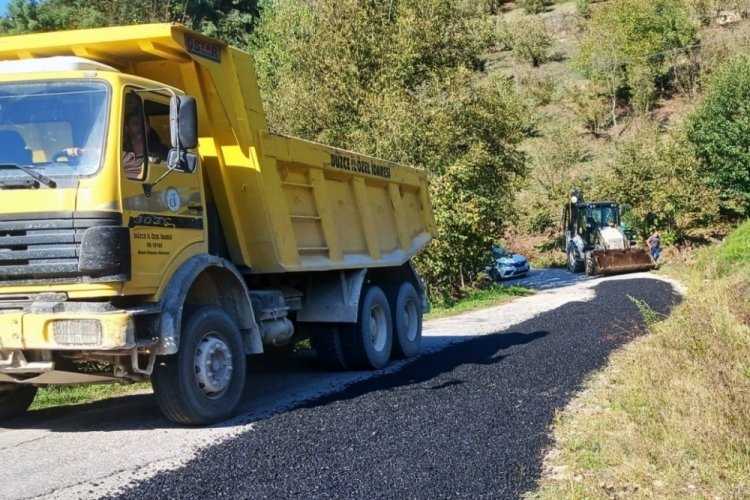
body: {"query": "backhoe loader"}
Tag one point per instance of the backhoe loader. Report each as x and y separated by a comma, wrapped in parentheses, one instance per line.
(596, 242)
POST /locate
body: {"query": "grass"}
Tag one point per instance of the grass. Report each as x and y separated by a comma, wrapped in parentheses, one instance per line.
(669, 417)
(478, 299)
(52, 396)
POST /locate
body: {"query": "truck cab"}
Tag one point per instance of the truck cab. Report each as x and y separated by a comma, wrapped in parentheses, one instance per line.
(76, 200)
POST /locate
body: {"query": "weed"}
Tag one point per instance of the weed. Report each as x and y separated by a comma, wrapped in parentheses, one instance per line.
(649, 316)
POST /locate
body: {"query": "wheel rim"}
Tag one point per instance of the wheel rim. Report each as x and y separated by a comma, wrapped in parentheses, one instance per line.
(213, 365)
(571, 259)
(410, 324)
(378, 327)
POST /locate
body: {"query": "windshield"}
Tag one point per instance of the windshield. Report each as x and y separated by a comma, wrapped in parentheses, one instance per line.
(604, 215)
(498, 251)
(54, 128)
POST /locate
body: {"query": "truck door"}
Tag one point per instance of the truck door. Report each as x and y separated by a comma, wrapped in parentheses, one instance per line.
(164, 210)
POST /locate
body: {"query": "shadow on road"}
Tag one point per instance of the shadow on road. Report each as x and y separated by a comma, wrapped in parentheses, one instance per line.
(484, 350)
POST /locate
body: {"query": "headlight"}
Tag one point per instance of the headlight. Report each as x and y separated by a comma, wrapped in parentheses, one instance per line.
(77, 332)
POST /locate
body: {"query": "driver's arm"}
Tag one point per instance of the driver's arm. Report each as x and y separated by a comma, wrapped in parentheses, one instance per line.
(73, 152)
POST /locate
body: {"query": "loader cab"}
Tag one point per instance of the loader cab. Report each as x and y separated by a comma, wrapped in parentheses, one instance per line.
(585, 219)
(582, 222)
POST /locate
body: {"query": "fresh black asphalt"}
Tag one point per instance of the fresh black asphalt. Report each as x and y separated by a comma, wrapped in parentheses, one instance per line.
(469, 421)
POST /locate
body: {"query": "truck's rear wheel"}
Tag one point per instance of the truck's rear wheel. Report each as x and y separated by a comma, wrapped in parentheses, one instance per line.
(203, 382)
(367, 344)
(326, 340)
(15, 399)
(407, 322)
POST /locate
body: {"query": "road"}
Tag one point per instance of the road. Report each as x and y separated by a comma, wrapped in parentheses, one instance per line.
(468, 418)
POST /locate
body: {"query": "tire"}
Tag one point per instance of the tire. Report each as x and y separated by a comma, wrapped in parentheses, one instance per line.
(14, 401)
(574, 266)
(326, 340)
(202, 383)
(367, 343)
(590, 264)
(495, 275)
(407, 322)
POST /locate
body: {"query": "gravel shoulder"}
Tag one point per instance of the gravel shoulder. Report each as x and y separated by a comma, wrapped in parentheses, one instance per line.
(469, 418)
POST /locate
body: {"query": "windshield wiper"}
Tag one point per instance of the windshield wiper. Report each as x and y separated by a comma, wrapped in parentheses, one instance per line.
(36, 175)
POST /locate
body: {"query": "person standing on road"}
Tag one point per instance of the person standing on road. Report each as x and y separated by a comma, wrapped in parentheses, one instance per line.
(654, 244)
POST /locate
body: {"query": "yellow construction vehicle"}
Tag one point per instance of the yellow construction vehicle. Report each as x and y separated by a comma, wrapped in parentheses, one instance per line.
(595, 241)
(124, 259)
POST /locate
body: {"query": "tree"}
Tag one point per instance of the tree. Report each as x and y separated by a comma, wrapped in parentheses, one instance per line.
(659, 177)
(590, 105)
(720, 131)
(529, 41)
(625, 44)
(553, 158)
(229, 20)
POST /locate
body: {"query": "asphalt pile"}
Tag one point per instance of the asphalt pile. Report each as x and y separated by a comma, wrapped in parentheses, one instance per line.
(469, 421)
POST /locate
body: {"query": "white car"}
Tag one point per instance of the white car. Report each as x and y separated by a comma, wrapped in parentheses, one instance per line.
(507, 265)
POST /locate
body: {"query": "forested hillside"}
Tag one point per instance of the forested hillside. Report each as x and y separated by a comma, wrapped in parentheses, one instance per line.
(508, 105)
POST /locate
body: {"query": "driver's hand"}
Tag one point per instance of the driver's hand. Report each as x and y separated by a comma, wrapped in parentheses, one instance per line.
(73, 152)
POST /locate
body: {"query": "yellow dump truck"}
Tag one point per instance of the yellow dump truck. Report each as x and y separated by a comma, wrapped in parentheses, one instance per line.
(151, 227)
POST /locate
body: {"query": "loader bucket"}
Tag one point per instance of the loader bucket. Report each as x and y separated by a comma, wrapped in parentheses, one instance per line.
(629, 260)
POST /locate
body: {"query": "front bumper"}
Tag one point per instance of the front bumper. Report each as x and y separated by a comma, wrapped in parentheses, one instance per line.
(511, 271)
(101, 331)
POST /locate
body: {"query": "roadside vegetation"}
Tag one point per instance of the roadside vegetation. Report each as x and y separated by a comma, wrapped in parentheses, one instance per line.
(669, 417)
(51, 396)
(493, 295)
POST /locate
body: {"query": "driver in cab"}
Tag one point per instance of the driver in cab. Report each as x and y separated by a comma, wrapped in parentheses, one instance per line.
(136, 146)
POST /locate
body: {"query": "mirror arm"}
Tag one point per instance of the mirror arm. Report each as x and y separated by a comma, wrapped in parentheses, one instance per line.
(148, 187)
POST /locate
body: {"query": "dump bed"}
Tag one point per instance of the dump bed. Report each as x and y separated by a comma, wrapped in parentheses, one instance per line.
(333, 208)
(284, 204)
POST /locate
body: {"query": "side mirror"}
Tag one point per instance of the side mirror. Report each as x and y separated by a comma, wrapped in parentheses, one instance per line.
(182, 161)
(183, 122)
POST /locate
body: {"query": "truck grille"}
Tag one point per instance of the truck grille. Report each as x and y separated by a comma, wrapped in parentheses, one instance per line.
(47, 247)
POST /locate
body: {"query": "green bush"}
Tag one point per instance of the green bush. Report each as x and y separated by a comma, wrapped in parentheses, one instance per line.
(583, 8)
(530, 41)
(659, 177)
(534, 6)
(720, 131)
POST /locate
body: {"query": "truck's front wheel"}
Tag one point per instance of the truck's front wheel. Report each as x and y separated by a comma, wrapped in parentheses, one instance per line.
(203, 382)
(15, 399)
